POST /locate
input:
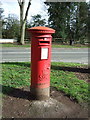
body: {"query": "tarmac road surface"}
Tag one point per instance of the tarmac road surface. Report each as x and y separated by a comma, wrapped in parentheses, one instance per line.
(75, 55)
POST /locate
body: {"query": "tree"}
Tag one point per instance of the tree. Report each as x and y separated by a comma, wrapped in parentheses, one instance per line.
(88, 23)
(59, 18)
(1, 12)
(37, 21)
(23, 19)
(1, 15)
(69, 19)
(11, 27)
(82, 22)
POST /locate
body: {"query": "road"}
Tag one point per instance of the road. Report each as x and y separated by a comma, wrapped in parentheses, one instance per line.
(77, 55)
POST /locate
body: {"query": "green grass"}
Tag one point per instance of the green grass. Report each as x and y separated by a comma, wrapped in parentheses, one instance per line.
(53, 45)
(67, 82)
(68, 46)
(17, 75)
(14, 45)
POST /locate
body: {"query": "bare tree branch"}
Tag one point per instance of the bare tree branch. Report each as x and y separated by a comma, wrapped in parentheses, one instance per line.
(22, 19)
(18, 2)
(23, 0)
(26, 14)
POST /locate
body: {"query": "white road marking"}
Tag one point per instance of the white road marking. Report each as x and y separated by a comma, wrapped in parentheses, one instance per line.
(52, 52)
(70, 52)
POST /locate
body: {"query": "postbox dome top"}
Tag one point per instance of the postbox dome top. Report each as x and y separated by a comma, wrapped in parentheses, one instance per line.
(41, 29)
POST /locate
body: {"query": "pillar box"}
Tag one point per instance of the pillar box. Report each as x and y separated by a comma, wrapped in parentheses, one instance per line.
(40, 61)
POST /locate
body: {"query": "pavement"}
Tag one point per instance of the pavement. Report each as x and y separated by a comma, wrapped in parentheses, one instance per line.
(74, 55)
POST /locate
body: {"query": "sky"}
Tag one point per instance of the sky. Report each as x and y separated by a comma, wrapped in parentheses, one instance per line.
(12, 7)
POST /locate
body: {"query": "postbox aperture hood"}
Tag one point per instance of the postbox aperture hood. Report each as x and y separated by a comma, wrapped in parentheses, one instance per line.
(41, 29)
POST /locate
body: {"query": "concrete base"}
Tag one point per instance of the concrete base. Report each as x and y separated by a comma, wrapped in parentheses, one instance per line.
(50, 108)
(40, 93)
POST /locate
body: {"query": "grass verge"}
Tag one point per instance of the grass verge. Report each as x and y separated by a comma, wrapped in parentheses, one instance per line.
(53, 45)
(15, 45)
(17, 75)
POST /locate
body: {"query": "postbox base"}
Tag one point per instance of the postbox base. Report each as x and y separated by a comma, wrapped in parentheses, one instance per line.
(40, 93)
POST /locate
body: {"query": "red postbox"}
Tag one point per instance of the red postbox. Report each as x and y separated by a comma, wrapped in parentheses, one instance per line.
(40, 61)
